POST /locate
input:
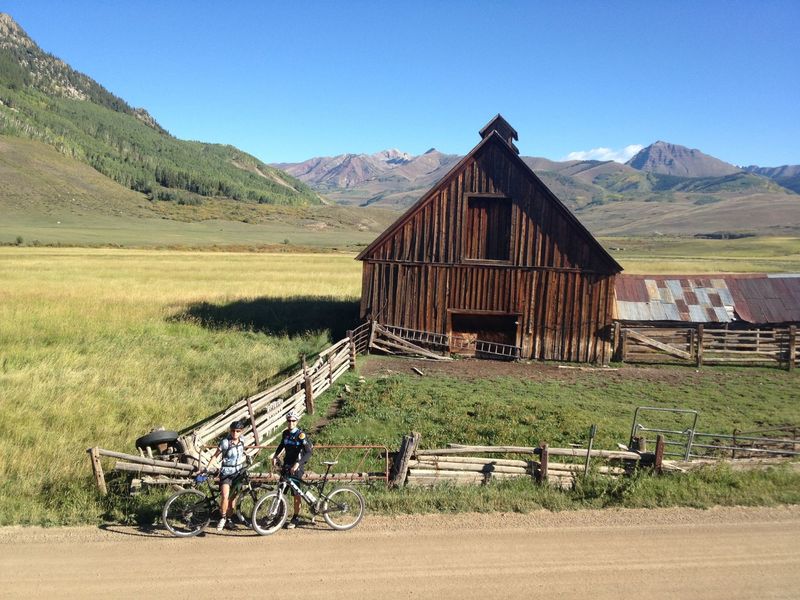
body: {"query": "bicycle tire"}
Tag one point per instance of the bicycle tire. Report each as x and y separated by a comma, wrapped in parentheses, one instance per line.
(154, 438)
(269, 514)
(343, 508)
(245, 506)
(186, 513)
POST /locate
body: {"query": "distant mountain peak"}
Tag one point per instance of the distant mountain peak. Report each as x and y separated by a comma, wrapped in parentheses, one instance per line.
(665, 158)
(392, 156)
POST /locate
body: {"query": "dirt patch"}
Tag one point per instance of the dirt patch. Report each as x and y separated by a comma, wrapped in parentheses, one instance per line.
(470, 368)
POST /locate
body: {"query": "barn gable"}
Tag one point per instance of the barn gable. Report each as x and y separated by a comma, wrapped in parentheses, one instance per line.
(491, 206)
(489, 257)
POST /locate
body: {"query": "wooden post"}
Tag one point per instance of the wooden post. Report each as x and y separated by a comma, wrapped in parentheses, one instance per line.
(691, 345)
(352, 345)
(543, 460)
(592, 433)
(792, 346)
(659, 459)
(617, 341)
(699, 355)
(97, 469)
(372, 326)
(252, 421)
(307, 385)
(624, 346)
(408, 448)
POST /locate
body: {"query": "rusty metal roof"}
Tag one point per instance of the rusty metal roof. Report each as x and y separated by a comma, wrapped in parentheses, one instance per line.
(752, 297)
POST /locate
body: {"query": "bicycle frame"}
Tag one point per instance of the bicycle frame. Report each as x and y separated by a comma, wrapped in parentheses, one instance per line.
(297, 486)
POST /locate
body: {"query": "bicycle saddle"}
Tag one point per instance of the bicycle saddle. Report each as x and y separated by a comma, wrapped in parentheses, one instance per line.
(330, 462)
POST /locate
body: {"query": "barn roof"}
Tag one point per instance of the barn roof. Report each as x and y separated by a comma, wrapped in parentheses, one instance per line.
(493, 137)
(753, 298)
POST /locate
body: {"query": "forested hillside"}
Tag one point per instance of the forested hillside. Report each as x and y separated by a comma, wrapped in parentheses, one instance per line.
(42, 98)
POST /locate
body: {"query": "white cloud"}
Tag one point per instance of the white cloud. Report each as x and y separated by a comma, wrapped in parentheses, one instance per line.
(601, 153)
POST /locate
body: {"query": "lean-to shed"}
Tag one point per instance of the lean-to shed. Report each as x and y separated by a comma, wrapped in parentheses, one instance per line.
(735, 300)
(491, 255)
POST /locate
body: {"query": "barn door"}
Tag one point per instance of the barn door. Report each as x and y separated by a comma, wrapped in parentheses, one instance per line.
(470, 332)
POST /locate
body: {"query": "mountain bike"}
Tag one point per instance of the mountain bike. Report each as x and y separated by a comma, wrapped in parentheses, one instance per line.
(187, 512)
(342, 507)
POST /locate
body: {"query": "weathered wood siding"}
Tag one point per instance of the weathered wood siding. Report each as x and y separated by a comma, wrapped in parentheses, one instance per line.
(563, 315)
(554, 277)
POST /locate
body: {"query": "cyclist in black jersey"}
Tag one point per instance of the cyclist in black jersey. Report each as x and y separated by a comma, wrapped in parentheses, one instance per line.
(297, 450)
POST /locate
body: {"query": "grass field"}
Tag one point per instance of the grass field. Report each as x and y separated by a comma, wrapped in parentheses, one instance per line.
(97, 346)
(668, 255)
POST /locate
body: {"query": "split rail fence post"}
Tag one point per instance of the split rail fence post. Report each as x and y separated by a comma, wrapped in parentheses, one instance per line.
(252, 420)
(659, 458)
(408, 447)
(307, 386)
(699, 346)
(624, 345)
(792, 346)
(97, 469)
(352, 345)
(543, 460)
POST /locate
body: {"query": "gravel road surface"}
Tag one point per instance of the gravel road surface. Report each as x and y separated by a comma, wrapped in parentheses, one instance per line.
(675, 553)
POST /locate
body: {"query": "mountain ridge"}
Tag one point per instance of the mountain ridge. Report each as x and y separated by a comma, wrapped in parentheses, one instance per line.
(42, 98)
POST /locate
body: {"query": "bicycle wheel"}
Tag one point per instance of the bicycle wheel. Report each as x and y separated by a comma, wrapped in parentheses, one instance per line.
(269, 513)
(186, 513)
(245, 504)
(343, 508)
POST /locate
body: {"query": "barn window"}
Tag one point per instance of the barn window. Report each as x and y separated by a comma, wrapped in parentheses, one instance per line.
(487, 228)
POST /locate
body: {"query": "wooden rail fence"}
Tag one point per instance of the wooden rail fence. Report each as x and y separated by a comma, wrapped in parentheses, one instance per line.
(461, 465)
(265, 411)
(699, 345)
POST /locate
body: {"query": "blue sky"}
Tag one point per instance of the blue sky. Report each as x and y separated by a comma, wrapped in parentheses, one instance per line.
(290, 80)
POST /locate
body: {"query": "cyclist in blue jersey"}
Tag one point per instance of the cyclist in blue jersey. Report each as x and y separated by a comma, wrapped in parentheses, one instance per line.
(297, 450)
(231, 447)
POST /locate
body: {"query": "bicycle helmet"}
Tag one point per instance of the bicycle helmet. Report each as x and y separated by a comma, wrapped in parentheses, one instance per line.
(239, 424)
(292, 415)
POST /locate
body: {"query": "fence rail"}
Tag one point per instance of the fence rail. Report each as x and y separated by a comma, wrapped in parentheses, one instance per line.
(701, 345)
(265, 411)
(441, 342)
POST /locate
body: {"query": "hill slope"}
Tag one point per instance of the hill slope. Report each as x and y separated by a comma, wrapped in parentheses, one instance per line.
(42, 98)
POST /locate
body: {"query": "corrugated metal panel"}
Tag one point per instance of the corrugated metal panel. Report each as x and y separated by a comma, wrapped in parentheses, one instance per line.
(675, 287)
(723, 316)
(752, 297)
(671, 312)
(652, 289)
(697, 314)
(724, 295)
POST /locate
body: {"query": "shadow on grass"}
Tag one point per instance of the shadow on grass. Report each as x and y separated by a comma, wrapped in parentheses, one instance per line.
(278, 316)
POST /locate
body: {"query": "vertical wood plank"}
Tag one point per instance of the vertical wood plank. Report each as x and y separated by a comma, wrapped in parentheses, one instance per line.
(97, 470)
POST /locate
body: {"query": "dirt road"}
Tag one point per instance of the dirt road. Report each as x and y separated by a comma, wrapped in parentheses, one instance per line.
(675, 553)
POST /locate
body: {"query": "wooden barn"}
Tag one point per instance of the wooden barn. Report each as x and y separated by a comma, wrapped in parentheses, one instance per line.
(490, 262)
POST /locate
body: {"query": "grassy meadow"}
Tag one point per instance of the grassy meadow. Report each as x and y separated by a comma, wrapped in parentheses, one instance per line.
(97, 346)
(679, 255)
